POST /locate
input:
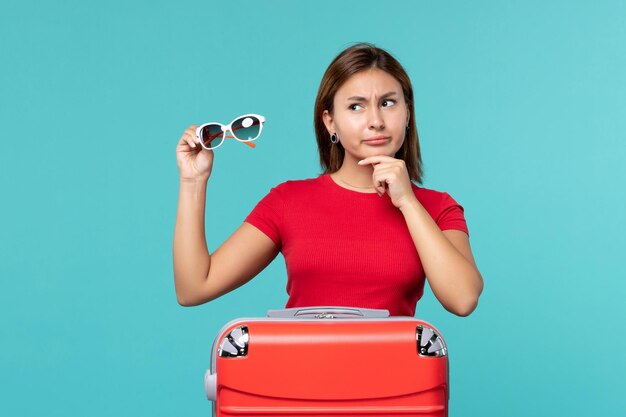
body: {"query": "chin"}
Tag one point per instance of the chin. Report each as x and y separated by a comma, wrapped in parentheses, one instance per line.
(381, 150)
(365, 151)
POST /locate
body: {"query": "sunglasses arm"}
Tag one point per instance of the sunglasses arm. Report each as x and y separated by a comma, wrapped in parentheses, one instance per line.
(250, 144)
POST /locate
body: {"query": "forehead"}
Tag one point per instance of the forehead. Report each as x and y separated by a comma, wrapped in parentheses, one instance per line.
(369, 82)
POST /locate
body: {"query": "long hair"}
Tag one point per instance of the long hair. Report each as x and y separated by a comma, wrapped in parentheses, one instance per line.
(357, 58)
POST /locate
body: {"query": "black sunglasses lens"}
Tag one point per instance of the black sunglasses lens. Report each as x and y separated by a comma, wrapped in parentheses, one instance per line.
(211, 135)
(247, 128)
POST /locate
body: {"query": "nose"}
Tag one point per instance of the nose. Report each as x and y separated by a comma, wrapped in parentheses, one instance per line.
(375, 118)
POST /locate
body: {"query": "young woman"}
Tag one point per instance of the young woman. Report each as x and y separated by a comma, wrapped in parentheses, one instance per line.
(361, 234)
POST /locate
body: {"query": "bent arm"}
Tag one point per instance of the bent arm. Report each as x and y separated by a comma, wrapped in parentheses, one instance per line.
(447, 260)
(199, 276)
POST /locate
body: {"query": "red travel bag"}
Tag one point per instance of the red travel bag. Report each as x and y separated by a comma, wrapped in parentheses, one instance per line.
(328, 361)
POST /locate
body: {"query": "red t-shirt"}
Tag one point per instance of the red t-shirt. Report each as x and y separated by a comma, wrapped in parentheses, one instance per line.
(346, 248)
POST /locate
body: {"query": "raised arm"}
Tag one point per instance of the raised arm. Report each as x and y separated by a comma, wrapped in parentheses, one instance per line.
(198, 275)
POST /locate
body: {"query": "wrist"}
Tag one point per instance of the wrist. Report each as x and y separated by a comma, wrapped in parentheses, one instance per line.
(193, 185)
(410, 204)
(194, 181)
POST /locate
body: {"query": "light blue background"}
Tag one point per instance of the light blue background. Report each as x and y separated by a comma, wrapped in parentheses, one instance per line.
(521, 108)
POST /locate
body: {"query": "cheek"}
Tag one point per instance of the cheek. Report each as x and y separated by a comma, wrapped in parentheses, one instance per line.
(349, 125)
(398, 123)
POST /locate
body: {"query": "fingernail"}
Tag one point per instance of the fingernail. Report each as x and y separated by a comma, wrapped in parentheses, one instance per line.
(360, 162)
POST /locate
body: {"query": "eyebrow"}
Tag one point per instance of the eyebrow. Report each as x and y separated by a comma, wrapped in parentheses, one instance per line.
(386, 95)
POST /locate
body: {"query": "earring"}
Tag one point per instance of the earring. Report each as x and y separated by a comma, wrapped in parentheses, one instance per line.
(333, 138)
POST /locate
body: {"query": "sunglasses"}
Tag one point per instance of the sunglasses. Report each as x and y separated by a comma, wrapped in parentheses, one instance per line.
(244, 128)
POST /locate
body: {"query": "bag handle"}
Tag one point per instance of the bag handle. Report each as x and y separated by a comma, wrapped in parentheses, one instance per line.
(328, 312)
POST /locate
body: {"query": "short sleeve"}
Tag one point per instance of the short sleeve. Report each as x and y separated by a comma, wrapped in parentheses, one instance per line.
(267, 214)
(451, 215)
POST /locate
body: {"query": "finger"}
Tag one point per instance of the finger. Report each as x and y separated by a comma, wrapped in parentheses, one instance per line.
(373, 160)
(380, 188)
(182, 141)
(386, 170)
(379, 182)
(187, 140)
(391, 171)
(191, 140)
(191, 130)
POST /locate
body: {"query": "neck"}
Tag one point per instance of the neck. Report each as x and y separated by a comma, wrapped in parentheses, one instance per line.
(355, 175)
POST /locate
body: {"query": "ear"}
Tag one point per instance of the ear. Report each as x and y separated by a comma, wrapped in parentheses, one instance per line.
(329, 122)
(408, 118)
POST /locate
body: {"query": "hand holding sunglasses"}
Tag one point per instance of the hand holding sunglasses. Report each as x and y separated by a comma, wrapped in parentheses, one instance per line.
(245, 129)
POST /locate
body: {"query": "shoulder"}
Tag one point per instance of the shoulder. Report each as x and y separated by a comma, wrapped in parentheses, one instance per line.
(447, 213)
(434, 201)
(299, 186)
(429, 195)
(292, 191)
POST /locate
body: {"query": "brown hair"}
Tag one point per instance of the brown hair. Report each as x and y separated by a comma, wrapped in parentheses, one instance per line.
(360, 57)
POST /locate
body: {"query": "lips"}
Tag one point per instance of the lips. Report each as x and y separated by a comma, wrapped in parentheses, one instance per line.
(377, 140)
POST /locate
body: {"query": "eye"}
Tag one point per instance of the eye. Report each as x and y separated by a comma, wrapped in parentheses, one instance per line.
(388, 103)
(355, 106)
